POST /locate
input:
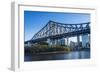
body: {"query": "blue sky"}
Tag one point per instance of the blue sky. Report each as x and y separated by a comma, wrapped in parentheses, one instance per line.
(35, 20)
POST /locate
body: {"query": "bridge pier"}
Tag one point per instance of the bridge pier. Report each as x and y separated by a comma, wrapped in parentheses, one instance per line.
(78, 41)
(66, 41)
(49, 42)
(52, 42)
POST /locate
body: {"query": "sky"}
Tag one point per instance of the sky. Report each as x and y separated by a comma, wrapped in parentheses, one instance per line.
(35, 20)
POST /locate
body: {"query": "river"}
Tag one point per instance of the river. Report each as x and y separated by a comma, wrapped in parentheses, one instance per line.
(60, 56)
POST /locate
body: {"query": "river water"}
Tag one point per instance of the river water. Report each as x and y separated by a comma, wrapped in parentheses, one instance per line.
(60, 56)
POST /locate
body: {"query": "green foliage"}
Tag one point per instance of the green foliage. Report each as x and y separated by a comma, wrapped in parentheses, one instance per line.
(38, 48)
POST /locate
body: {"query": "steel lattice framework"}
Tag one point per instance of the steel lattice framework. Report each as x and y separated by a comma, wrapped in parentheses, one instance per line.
(55, 30)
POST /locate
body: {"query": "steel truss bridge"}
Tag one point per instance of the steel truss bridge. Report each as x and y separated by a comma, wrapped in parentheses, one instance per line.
(55, 30)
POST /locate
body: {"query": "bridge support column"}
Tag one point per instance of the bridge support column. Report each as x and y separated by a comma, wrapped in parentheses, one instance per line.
(67, 41)
(49, 42)
(78, 41)
(52, 42)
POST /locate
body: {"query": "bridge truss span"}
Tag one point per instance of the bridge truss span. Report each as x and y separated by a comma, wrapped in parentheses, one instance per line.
(57, 30)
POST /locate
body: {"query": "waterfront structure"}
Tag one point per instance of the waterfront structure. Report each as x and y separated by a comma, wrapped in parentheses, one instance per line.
(55, 33)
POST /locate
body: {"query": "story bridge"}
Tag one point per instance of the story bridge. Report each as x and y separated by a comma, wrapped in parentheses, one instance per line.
(53, 32)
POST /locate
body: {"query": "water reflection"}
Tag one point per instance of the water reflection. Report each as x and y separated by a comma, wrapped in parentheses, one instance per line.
(62, 56)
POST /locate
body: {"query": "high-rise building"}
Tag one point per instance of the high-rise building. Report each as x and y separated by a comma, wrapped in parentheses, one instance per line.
(85, 40)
